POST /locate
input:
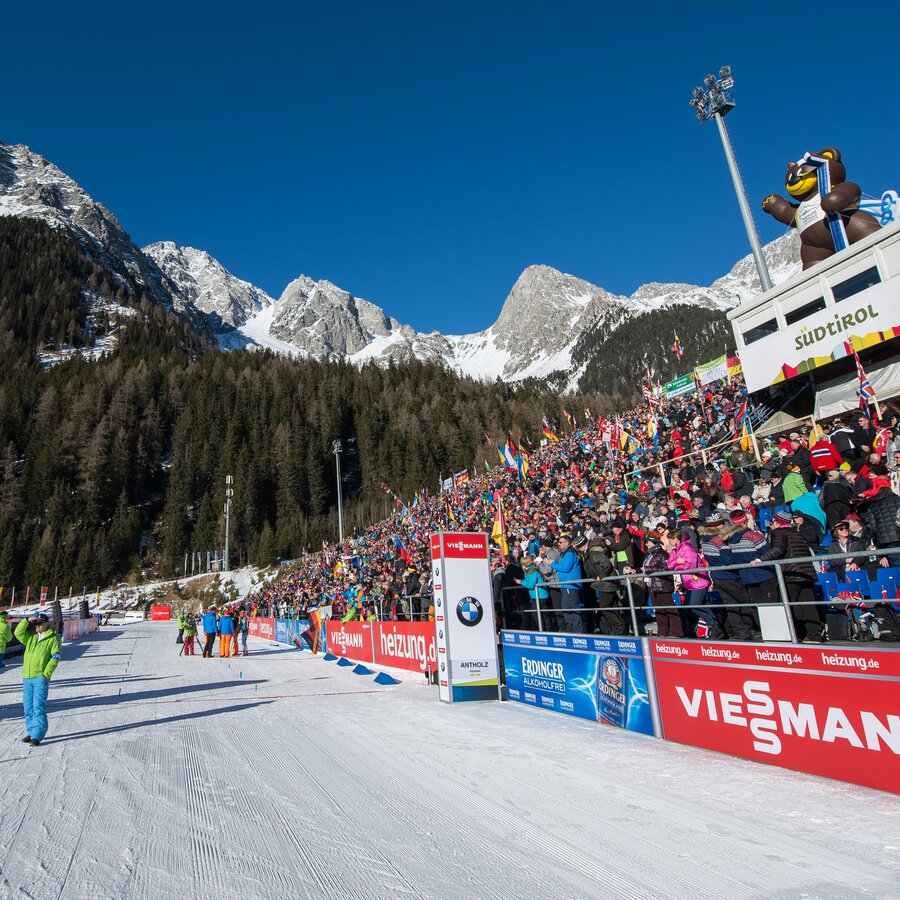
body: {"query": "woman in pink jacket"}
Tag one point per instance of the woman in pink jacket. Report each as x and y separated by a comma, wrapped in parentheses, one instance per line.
(696, 585)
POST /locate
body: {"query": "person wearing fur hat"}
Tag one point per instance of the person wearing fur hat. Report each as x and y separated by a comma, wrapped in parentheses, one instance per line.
(786, 542)
(662, 587)
(716, 538)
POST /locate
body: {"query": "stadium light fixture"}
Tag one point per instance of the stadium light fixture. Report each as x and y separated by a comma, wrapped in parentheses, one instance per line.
(715, 103)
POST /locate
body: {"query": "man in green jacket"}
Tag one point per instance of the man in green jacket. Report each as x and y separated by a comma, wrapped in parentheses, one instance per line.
(42, 650)
(181, 620)
(5, 636)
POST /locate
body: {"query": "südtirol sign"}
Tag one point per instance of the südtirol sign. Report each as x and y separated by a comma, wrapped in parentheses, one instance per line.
(860, 321)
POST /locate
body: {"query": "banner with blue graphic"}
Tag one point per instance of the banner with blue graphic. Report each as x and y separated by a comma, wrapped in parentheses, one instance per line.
(601, 679)
(288, 629)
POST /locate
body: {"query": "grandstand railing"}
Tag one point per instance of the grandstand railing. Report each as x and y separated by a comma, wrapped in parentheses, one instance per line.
(628, 580)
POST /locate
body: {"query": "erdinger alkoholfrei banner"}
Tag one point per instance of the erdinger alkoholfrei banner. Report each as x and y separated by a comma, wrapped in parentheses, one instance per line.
(464, 617)
(596, 678)
(829, 710)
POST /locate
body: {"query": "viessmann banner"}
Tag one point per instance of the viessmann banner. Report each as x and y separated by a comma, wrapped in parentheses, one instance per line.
(595, 678)
(832, 711)
(464, 617)
(400, 645)
(860, 321)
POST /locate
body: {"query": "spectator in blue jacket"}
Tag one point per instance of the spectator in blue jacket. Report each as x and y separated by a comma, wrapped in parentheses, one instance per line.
(210, 624)
(568, 569)
(226, 634)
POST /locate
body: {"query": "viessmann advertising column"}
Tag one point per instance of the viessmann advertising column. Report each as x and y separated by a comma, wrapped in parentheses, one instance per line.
(464, 617)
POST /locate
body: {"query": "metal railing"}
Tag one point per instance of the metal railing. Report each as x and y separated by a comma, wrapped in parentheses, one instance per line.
(627, 580)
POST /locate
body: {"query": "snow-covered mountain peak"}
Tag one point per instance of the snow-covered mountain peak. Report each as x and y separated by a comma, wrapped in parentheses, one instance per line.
(206, 284)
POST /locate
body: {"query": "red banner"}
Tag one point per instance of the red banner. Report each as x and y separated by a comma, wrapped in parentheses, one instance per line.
(832, 711)
(350, 639)
(160, 613)
(400, 645)
(261, 628)
(406, 645)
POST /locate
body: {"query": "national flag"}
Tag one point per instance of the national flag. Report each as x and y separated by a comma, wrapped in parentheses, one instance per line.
(461, 478)
(734, 366)
(866, 391)
(677, 349)
(588, 415)
(311, 635)
(652, 427)
(498, 532)
(338, 568)
(522, 464)
(404, 553)
(549, 433)
(509, 458)
(746, 440)
(448, 510)
(570, 420)
(512, 445)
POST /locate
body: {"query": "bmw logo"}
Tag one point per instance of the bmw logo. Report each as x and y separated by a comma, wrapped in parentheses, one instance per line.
(441, 634)
(443, 667)
(439, 602)
(469, 611)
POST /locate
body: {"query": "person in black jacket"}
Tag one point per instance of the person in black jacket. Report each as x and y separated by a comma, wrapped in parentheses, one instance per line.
(834, 497)
(661, 587)
(786, 542)
(882, 519)
(598, 565)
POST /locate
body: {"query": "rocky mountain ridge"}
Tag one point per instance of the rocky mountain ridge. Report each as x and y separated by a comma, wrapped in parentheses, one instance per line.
(536, 330)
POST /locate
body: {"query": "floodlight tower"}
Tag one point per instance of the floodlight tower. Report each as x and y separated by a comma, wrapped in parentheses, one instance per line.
(337, 449)
(714, 101)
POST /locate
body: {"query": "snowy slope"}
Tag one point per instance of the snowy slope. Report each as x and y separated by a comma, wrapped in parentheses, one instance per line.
(282, 775)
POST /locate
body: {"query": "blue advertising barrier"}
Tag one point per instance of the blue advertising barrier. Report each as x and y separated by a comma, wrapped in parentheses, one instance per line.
(288, 629)
(603, 679)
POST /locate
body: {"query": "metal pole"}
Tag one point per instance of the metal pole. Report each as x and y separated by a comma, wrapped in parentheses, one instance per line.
(634, 623)
(337, 458)
(761, 267)
(782, 589)
(537, 600)
(229, 493)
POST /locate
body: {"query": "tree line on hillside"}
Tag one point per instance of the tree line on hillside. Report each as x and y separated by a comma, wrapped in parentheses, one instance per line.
(616, 362)
(117, 465)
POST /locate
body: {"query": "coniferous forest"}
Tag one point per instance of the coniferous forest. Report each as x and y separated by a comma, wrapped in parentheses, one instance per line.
(115, 466)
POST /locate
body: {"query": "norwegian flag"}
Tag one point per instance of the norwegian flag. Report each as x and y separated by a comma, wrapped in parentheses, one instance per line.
(866, 391)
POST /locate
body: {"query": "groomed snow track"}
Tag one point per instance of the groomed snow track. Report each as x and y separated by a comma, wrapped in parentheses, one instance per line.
(283, 775)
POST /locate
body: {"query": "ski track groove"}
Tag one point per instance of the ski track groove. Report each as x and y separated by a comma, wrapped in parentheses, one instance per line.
(313, 795)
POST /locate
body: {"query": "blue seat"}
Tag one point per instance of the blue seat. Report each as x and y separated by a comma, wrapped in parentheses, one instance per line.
(765, 516)
(886, 582)
(826, 540)
(859, 582)
(828, 582)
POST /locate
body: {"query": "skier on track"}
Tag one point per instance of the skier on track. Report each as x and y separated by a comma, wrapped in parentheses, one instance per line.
(243, 630)
(42, 649)
(190, 632)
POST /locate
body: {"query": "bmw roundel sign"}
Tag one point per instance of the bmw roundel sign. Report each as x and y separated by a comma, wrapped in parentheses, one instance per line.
(469, 611)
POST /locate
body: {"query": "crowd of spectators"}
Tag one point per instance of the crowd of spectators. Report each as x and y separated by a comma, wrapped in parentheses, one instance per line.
(671, 485)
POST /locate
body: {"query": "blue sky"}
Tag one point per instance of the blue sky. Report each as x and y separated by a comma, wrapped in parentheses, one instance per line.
(422, 155)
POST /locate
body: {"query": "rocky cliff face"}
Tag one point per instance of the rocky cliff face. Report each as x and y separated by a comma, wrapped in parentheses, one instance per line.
(534, 335)
(32, 187)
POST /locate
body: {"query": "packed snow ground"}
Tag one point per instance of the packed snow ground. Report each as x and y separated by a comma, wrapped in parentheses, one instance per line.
(283, 775)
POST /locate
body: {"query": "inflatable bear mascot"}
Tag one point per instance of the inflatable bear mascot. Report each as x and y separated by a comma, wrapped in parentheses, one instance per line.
(809, 215)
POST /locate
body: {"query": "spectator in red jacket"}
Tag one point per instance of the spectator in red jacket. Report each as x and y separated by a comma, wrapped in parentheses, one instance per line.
(824, 456)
